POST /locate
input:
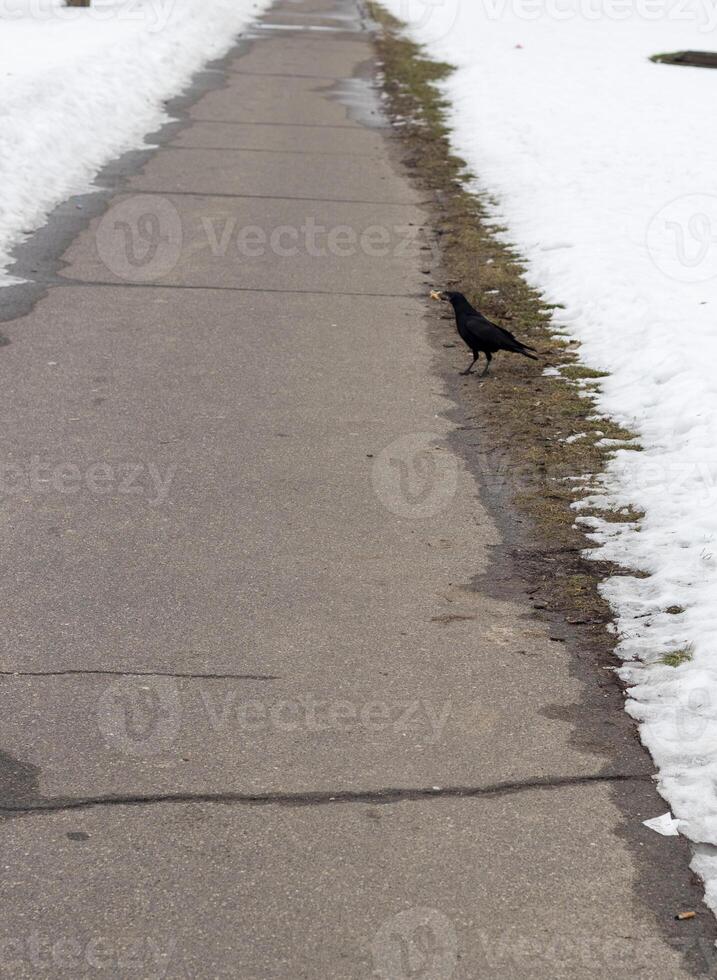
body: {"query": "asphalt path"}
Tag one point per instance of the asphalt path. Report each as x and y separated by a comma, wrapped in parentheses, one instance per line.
(261, 714)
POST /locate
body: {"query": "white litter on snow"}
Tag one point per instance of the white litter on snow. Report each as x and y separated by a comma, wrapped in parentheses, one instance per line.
(602, 165)
(79, 86)
(665, 825)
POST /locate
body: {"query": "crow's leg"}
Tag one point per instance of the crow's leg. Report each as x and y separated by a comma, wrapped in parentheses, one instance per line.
(490, 358)
(469, 369)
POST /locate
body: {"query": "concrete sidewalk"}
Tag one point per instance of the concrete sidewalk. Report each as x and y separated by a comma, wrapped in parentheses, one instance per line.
(257, 718)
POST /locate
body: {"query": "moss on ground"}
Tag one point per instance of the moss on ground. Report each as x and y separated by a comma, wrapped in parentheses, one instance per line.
(532, 416)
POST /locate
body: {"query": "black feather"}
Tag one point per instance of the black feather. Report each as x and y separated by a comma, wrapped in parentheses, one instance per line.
(481, 335)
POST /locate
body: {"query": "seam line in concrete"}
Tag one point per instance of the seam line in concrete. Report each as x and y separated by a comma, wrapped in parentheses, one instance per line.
(275, 125)
(261, 149)
(132, 192)
(323, 798)
(283, 74)
(89, 283)
(317, 29)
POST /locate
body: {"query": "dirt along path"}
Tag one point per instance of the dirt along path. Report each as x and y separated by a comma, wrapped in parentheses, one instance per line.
(260, 716)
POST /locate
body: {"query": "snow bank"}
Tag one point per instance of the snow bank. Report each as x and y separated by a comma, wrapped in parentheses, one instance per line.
(603, 166)
(79, 86)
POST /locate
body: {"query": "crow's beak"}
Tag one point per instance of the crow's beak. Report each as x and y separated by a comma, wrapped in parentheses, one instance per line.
(436, 294)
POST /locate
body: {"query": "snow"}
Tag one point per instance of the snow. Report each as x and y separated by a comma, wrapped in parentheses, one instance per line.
(79, 86)
(602, 166)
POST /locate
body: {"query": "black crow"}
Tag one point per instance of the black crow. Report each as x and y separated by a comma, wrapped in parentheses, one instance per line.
(479, 333)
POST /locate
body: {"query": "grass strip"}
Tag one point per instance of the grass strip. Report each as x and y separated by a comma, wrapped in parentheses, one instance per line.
(545, 436)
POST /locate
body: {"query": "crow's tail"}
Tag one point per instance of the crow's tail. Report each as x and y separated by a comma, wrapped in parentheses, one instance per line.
(524, 351)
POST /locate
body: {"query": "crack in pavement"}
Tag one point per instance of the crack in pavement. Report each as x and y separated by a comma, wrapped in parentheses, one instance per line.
(140, 673)
(378, 796)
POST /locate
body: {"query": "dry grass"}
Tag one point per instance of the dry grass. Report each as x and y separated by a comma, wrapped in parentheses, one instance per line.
(677, 657)
(531, 415)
